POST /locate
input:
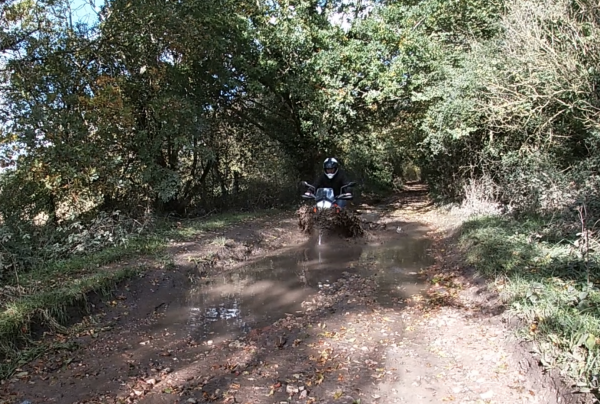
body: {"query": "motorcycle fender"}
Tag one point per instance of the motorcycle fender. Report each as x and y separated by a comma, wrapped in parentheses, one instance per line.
(324, 205)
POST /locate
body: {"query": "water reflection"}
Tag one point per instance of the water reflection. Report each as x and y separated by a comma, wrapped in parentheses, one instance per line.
(260, 293)
(397, 267)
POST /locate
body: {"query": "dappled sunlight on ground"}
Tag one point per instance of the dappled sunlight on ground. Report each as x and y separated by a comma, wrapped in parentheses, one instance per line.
(259, 313)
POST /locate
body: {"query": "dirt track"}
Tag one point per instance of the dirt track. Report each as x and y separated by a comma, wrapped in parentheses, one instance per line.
(259, 315)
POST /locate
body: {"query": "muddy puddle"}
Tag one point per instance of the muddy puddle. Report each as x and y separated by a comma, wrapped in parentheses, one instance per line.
(255, 295)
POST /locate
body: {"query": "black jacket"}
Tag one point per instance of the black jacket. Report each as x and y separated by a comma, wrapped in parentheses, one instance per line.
(336, 182)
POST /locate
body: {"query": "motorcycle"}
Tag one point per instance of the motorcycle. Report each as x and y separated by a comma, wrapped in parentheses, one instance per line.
(326, 203)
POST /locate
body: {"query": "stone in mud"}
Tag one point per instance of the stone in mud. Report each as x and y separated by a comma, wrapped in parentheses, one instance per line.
(237, 344)
(160, 398)
(346, 400)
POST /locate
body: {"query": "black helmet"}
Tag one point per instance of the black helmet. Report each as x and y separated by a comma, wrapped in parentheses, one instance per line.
(330, 166)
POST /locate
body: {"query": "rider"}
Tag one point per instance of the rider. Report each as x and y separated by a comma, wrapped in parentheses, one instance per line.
(332, 177)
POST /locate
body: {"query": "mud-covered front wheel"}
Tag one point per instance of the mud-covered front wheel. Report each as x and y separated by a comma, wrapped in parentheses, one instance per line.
(341, 221)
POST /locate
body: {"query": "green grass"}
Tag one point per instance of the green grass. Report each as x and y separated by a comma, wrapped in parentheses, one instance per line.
(191, 228)
(545, 283)
(49, 291)
(48, 305)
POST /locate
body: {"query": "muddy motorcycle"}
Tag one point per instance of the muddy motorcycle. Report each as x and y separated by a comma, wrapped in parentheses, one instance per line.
(327, 206)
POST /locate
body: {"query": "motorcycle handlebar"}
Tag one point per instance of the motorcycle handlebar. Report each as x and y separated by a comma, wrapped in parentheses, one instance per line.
(342, 195)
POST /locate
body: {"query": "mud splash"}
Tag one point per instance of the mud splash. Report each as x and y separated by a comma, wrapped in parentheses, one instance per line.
(257, 294)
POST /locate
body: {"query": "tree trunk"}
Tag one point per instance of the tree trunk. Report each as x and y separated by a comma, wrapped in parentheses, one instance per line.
(181, 203)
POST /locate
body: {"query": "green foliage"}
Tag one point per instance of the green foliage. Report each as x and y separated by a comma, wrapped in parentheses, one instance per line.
(154, 106)
(548, 284)
(517, 108)
(190, 107)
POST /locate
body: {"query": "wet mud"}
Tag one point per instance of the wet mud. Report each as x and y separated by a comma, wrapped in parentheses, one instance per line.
(257, 294)
(261, 313)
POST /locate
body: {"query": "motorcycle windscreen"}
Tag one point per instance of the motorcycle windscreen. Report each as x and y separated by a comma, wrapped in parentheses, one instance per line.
(323, 194)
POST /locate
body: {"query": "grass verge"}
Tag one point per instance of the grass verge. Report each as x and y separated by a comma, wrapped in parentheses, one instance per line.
(43, 296)
(545, 283)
